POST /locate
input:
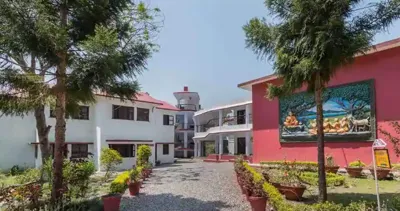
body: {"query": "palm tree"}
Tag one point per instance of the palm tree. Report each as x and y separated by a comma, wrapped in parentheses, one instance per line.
(310, 41)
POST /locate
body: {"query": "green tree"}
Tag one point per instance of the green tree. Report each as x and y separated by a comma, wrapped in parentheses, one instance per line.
(310, 40)
(143, 155)
(109, 160)
(61, 52)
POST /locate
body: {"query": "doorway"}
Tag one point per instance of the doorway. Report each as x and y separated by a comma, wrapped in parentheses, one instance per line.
(241, 146)
(241, 117)
(208, 147)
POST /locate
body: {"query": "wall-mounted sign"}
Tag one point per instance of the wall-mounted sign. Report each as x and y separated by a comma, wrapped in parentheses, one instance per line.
(382, 158)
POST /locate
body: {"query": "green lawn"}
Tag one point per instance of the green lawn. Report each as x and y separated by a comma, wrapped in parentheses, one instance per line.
(358, 190)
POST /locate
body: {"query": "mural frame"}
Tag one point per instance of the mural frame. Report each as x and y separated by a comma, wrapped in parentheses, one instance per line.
(313, 139)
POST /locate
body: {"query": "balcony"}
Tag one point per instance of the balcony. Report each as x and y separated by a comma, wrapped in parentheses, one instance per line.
(183, 126)
(229, 124)
(188, 107)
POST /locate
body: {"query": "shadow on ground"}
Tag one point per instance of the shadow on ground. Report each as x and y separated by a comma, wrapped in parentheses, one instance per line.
(167, 202)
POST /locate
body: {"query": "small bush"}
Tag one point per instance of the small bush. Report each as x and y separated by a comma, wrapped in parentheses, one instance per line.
(119, 184)
(109, 160)
(331, 179)
(16, 170)
(143, 154)
(29, 175)
(357, 164)
(301, 165)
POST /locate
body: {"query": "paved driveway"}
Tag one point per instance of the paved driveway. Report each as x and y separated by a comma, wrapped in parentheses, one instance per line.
(189, 186)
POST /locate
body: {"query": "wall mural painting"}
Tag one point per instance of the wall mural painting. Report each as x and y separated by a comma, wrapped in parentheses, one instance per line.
(348, 114)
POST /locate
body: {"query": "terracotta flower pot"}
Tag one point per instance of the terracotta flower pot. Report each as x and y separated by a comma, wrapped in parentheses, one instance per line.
(293, 193)
(354, 171)
(111, 202)
(257, 203)
(277, 186)
(134, 188)
(381, 173)
(331, 169)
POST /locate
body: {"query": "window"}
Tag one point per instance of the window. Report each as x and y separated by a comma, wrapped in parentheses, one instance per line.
(168, 120)
(143, 114)
(126, 150)
(123, 112)
(165, 149)
(79, 151)
(83, 113)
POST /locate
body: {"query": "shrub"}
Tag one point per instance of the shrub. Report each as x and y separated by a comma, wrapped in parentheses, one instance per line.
(331, 179)
(109, 160)
(357, 164)
(143, 154)
(119, 184)
(135, 175)
(16, 170)
(396, 166)
(29, 175)
(301, 165)
(77, 177)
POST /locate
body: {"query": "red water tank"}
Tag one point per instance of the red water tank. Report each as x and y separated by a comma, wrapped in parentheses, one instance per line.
(185, 88)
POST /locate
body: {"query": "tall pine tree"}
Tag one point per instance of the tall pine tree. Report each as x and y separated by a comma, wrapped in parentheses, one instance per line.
(60, 52)
(310, 40)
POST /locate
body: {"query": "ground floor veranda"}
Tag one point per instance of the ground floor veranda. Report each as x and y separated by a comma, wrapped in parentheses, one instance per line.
(224, 146)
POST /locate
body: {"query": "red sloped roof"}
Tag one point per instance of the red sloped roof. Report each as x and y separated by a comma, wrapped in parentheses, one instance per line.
(146, 98)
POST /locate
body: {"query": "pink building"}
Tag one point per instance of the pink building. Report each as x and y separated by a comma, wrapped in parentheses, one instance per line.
(277, 134)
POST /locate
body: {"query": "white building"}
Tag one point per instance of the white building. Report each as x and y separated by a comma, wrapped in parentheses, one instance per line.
(109, 123)
(187, 103)
(224, 131)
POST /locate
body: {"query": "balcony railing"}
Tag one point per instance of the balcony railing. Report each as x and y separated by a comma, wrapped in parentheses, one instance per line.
(189, 107)
(183, 126)
(226, 121)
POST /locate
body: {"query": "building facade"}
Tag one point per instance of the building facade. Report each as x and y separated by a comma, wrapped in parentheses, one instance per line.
(110, 122)
(223, 132)
(187, 103)
(360, 101)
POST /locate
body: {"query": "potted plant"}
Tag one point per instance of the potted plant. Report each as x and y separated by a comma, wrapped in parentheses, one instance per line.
(142, 173)
(381, 172)
(254, 191)
(290, 183)
(134, 182)
(330, 165)
(112, 200)
(355, 168)
(147, 169)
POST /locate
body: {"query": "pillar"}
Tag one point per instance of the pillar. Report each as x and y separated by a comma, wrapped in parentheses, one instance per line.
(97, 148)
(220, 118)
(38, 159)
(221, 144)
(247, 115)
(195, 125)
(248, 143)
(185, 121)
(199, 146)
(185, 143)
(195, 149)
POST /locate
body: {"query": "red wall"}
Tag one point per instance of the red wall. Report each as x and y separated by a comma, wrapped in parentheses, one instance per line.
(382, 67)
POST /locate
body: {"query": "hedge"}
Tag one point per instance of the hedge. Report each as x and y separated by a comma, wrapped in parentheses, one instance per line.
(304, 165)
(331, 179)
(280, 204)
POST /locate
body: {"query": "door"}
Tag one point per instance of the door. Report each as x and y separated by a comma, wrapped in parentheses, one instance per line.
(241, 146)
(241, 117)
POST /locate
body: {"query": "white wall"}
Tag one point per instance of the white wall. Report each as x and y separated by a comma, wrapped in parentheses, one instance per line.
(16, 134)
(165, 158)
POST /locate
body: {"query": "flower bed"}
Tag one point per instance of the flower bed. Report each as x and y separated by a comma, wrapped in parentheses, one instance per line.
(331, 179)
(302, 165)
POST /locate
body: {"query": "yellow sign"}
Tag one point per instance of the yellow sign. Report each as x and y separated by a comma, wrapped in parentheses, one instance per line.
(382, 158)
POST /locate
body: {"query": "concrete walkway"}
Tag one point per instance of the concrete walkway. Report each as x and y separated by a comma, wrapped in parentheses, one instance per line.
(189, 185)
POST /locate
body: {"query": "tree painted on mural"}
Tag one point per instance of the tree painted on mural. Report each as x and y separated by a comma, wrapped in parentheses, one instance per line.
(354, 99)
(392, 133)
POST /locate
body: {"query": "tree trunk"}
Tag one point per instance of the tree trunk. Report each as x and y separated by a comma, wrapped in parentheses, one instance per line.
(60, 128)
(43, 132)
(322, 193)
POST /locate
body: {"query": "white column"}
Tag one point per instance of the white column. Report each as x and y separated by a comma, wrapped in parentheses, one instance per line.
(199, 149)
(195, 149)
(235, 151)
(185, 121)
(38, 159)
(247, 115)
(248, 143)
(195, 126)
(220, 118)
(221, 144)
(97, 148)
(185, 143)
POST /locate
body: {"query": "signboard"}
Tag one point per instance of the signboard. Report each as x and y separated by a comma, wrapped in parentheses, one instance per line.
(382, 158)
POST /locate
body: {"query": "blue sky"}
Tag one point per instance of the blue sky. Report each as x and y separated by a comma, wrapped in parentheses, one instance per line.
(202, 46)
